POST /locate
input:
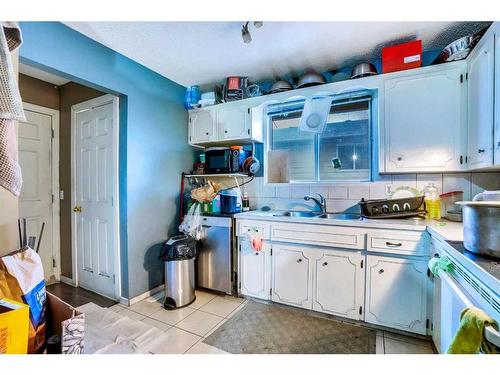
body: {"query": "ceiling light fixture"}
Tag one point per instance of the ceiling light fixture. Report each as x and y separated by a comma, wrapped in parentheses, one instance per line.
(245, 33)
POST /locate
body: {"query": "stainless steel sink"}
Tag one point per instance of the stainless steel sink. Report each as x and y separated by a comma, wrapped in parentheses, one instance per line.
(297, 214)
(339, 216)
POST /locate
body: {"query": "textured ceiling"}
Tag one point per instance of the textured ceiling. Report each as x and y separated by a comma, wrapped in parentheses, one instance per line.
(206, 52)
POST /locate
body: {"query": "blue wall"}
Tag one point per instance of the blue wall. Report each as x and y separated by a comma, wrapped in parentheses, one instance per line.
(153, 140)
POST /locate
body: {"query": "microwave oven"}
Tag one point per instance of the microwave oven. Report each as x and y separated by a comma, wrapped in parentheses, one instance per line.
(222, 160)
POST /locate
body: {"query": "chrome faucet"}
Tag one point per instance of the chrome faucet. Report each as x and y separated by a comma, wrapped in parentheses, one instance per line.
(321, 202)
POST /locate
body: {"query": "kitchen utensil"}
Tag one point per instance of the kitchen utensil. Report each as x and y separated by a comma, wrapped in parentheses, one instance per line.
(310, 79)
(392, 208)
(454, 215)
(404, 192)
(253, 90)
(280, 86)
(315, 114)
(449, 209)
(458, 49)
(363, 70)
(481, 224)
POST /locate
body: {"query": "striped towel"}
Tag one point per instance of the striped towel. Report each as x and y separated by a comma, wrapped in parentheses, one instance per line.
(11, 109)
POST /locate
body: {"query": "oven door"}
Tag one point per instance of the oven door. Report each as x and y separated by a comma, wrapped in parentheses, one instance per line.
(453, 300)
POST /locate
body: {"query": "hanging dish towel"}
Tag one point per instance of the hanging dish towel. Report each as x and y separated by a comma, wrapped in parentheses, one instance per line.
(469, 337)
(11, 109)
(255, 239)
(441, 263)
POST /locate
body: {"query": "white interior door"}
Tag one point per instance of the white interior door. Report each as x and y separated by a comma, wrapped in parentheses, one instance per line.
(36, 202)
(93, 196)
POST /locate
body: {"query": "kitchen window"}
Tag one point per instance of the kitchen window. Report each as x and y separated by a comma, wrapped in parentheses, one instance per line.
(340, 152)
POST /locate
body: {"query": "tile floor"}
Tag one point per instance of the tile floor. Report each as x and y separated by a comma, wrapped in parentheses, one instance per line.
(187, 327)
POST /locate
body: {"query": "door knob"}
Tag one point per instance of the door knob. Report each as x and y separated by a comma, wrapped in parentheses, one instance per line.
(77, 208)
(381, 271)
(325, 264)
(299, 260)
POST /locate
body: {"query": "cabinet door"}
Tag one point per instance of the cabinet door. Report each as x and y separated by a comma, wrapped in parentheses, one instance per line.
(255, 270)
(425, 121)
(291, 276)
(339, 283)
(202, 126)
(396, 293)
(480, 108)
(496, 141)
(234, 122)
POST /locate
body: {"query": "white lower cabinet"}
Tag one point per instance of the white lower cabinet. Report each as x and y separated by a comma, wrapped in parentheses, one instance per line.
(396, 293)
(255, 270)
(291, 279)
(339, 283)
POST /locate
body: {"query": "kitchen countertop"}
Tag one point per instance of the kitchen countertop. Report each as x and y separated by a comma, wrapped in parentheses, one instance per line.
(446, 230)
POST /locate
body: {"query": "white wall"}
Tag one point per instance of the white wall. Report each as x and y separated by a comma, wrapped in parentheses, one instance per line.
(344, 196)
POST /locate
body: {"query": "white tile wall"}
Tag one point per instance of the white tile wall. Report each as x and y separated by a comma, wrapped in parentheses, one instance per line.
(346, 196)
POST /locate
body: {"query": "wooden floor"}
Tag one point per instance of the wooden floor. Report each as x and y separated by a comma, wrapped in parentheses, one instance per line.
(78, 296)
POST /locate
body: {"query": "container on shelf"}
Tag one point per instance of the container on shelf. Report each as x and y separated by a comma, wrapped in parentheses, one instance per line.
(432, 202)
(402, 56)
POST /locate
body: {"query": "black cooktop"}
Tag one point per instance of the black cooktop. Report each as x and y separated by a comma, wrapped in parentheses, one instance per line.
(489, 264)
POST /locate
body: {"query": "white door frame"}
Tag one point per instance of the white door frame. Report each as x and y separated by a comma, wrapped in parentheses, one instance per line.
(54, 157)
(97, 102)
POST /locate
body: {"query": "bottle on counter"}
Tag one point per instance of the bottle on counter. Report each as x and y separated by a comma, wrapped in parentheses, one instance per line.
(432, 202)
(245, 201)
(216, 204)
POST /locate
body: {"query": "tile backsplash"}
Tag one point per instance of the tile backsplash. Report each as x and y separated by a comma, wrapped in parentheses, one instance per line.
(345, 197)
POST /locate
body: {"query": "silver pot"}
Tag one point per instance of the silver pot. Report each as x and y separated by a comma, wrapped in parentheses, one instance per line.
(363, 70)
(310, 79)
(482, 226)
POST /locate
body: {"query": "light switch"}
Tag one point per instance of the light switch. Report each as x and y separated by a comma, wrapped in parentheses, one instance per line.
(61, 195)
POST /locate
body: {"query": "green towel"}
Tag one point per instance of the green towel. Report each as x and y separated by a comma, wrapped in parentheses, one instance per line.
(442, 263)
(469, 337)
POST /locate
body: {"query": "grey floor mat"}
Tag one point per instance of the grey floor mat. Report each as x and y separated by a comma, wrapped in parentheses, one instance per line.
(270, 329)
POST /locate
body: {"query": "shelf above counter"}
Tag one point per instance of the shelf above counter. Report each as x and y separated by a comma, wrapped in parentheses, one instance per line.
(218, 175)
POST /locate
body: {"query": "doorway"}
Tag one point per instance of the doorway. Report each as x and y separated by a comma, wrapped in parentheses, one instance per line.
(94, 191)
(38, 143)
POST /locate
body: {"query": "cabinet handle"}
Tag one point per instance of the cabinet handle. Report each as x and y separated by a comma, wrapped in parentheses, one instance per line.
(225, 131)
(481, 150)
(206, 133)
(256, 253)
(325, 264)
(400, 158)
(380, 271)
(299, 260)
(394, 244)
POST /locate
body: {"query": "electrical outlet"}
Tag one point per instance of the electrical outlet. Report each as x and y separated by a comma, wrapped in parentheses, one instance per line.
(61, 195)
(388, 190)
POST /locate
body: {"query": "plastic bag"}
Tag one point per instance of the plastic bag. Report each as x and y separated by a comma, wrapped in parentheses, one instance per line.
(21, 279)
(191, 225)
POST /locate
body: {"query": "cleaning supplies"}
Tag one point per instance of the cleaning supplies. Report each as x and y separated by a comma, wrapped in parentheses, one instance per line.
(469, 337)
(441, 263)
(245, 206)
(432, 202)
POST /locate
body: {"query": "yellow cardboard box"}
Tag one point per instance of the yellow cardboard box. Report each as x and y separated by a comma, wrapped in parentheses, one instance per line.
(14, 323)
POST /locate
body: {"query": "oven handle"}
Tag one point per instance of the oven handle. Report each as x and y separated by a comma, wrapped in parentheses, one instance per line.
(490, 333)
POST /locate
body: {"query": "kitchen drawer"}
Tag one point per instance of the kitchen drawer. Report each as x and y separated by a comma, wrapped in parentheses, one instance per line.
(398, 242)
(261, 227)
(344, 237)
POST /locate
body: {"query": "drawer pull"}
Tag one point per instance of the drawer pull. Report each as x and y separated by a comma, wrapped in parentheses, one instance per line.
(325, 264)
(256, 253)
(381, 271)
(299, 260)
(394, 244)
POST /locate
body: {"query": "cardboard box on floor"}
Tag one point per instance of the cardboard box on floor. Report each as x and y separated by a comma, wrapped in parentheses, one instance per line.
(14, 323)
(67, 322)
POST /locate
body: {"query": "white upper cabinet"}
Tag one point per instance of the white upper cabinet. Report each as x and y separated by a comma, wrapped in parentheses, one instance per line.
(234, 122)
(291, 282)
(480, 103)
(339, 283)
(424, 120)
(396, 293)
(255, 270)
(202, 126)
(496, 140)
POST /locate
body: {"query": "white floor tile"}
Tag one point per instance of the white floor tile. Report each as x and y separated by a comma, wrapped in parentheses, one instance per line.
(116, 308)
(235, 311)
(156, 323)
(146, 308)
(199, 322)
(215, 328)
(201, 348)
(176, 341)
(202, 298)
(131, 314)
(234, 299)
(220, 306)
(402, 347)
(172, 317)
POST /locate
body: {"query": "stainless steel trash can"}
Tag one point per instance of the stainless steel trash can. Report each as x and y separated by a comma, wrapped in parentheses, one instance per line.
(179, 254)
(179, 283)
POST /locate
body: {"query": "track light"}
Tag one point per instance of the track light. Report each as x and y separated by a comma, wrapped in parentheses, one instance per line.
(245, 34)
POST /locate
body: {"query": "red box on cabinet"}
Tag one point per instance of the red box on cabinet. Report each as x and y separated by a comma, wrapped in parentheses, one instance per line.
(402, 56)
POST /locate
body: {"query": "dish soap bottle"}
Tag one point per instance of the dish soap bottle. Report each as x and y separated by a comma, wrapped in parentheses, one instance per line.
(245, 201)
(432, 202)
